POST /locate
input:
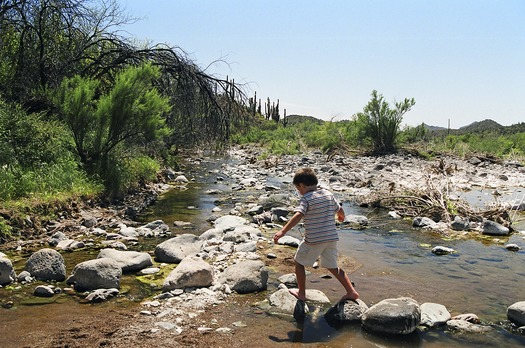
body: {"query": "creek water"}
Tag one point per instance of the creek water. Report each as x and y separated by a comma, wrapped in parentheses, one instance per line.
(481, 277)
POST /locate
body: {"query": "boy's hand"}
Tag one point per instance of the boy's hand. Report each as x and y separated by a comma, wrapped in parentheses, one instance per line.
(340, 215)
(278, 236)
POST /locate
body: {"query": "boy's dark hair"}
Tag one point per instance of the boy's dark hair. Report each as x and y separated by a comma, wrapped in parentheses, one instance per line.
(305, 176)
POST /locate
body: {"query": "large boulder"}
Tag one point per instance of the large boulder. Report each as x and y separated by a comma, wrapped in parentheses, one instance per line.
(516, 313)
(102, 273)
(7, 272)
(129, 261)
(46, 264)
(392, 316)
(177, 248)
(191, 272)
(434, 314)
(346, 312)
(285, 302)
(246, 276)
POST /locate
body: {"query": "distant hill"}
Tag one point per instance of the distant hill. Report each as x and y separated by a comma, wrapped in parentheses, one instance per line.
(294, 119)
(482, 126)
(434, 128)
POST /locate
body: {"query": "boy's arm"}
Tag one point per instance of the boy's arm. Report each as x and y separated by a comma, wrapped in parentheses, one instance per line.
(289, 225)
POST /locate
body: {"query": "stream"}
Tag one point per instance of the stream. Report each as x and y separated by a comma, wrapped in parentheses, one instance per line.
(481, 277)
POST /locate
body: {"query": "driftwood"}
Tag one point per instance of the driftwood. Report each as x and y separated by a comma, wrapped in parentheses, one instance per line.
(434, 200)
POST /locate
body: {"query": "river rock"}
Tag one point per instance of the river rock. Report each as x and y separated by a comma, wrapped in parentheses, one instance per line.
(245, 277)
(212, 234)
(56, 238)
(423, 222)
(289, 280)
(464, 326)
(24, 277)
(101, 295)
(255, 210)
(181, 179)
(516, 313)
(289, 240)
(150, 270)
(392, 316)
(280, 211)
(242, 234)
(46, 264)
(460, 224)
(248, 247)
(229, 222)
(269, 201)
(441, 250)
(470, 317)
(129, 261)
(494, 229)
(356, 221)
(191, 272)
(128, 231)
(102, 273)
(346, 311)
(248, 182)
(7, 272)
(69, 244)
(157, 228)
(263, 218)
(44, 291)
(89, 221)
(434, 314)
(284, 302)
(512, 247)
(177, 248)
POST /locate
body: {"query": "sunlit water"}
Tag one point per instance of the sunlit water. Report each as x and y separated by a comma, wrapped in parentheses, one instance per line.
(481, 277)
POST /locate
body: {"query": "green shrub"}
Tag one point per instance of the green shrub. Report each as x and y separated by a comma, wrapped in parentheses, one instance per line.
(35, 158)
(5, 230)
(128, 171)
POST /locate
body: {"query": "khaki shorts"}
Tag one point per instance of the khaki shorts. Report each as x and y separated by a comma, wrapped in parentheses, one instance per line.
(307, 254)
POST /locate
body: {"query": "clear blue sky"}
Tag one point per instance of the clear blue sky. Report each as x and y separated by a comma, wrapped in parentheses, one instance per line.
(462, 60)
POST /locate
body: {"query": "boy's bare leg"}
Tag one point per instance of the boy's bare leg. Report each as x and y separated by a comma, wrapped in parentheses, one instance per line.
(300, 274)
(340, 274)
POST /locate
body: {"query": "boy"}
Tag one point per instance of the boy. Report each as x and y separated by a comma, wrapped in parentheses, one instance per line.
(318, 207)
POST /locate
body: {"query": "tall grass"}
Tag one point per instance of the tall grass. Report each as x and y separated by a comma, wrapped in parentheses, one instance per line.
(45, 181)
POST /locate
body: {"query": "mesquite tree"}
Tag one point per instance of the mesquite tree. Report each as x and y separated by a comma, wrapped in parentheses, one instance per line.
(380, 123)
(103, 125)
(43, 42)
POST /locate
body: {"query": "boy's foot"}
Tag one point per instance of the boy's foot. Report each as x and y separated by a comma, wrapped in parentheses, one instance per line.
(350, 296)
(295, 292)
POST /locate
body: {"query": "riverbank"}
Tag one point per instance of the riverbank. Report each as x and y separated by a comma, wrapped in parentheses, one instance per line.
(125, 326)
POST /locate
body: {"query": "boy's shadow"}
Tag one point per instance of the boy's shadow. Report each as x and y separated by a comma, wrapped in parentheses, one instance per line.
(310, 328)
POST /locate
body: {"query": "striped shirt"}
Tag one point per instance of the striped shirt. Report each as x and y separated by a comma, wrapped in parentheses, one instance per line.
(319, 207)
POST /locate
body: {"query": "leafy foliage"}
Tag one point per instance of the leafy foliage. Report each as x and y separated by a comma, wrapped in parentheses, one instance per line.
(34, 157)
(131, 113)
(380, 123)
